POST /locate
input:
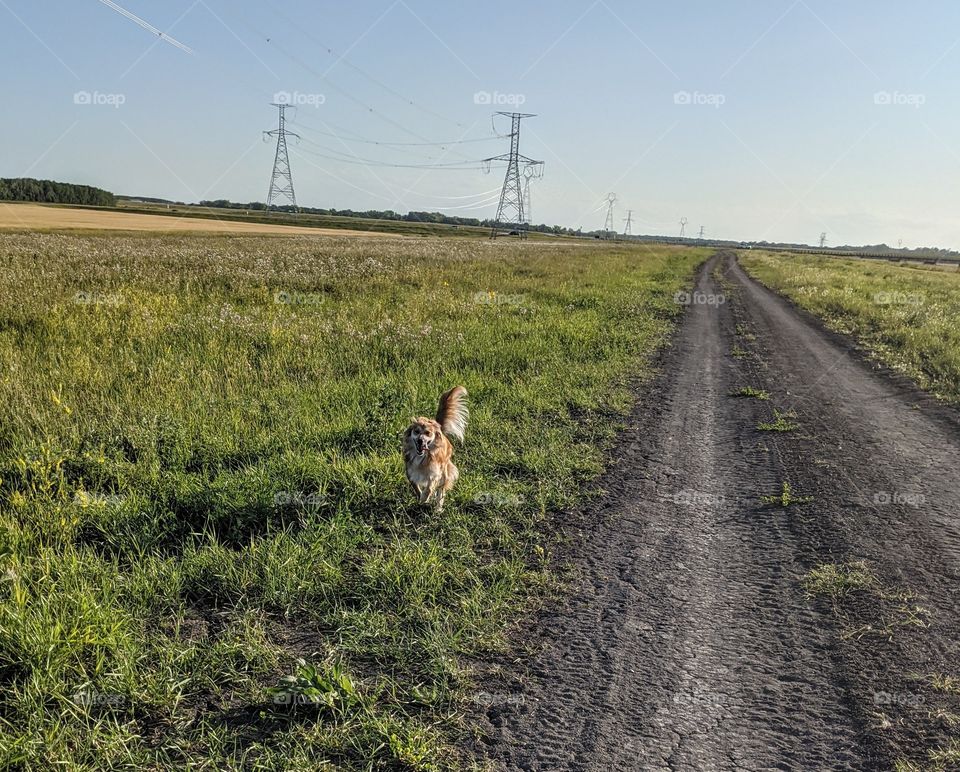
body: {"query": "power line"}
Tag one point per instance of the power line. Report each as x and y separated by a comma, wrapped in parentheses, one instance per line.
(358, 161)
(394, 144)
(341, 59)
(281, 180)
(146, 25)
(346, 93)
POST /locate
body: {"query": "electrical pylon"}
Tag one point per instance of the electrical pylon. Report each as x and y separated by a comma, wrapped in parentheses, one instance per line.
(700, 234)
(683, 226)
(823, 239)
(627, 230)
(608, 222)
(533, 171)
(510, 210)
(281, 181)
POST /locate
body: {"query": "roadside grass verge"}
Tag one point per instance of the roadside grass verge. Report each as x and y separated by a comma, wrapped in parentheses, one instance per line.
(209, 556)
(906, 316)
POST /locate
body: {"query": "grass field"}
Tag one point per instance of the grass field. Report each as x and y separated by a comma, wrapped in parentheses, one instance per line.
(323, 222)
(210, 556)
(906, 315)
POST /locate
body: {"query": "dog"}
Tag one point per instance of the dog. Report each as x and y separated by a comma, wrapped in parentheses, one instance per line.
(427, 451)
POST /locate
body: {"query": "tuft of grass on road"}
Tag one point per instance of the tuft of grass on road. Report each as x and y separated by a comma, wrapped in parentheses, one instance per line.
(209, 557)
(906, 316)
(837, 580)
(782, 422)
(751, 393)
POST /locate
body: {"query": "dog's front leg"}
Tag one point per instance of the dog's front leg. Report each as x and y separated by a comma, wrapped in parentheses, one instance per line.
(424, 493)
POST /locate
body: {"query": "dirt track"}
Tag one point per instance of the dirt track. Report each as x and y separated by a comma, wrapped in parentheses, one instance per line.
(688, 642)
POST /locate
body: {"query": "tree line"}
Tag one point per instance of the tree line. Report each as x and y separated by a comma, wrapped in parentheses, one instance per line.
(52, 192)
(377, 214)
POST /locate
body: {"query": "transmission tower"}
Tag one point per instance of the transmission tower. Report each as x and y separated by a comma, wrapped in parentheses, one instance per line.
(627, 230)
(281, 181)
(608, 222)
(683, 226)
(510, 216)
(823, 239)
(700, 234)
(532, 171)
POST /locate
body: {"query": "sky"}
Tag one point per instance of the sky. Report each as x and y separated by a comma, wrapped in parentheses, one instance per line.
(756, 119)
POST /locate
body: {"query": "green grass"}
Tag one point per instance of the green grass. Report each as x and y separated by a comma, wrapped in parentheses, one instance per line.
(209, 555)
(782, 422)
(751, 393)
(907, 316)
(786, 497)
(837, 580)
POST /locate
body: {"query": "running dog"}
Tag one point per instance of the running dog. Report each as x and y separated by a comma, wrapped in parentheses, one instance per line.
(427, 451)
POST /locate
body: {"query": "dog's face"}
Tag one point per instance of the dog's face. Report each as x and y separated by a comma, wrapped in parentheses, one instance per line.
(422, 435)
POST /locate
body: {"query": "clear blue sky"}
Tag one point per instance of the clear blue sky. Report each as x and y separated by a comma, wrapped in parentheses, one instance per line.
(783, 135)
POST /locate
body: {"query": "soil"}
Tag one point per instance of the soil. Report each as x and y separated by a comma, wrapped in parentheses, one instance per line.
(688, 639)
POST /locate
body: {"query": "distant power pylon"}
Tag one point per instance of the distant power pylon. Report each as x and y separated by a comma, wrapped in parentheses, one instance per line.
(608, 222)
(700, 234)
(627, 231)
(281, 181)
(532, 171)
(823, 239)
(510, 210)
(683, 226)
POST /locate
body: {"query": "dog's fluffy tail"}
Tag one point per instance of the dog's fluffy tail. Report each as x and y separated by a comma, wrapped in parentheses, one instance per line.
(453, 413)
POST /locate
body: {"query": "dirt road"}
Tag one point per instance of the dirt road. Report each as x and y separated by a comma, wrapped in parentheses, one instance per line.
(688, 641)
